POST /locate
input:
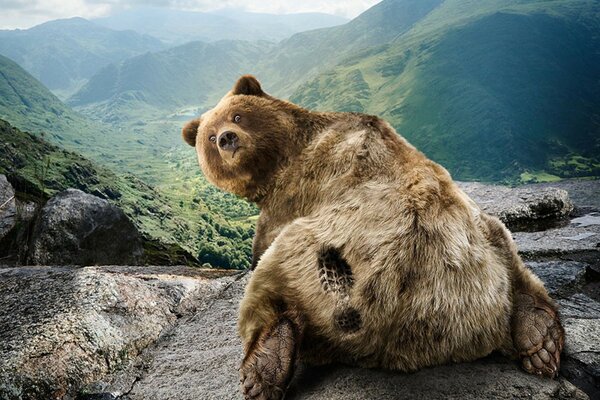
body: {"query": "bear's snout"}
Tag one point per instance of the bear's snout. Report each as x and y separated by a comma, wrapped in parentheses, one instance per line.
(228, 141)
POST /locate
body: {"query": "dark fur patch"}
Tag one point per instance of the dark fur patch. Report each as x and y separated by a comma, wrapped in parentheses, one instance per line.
(348, 320)
(334, 272)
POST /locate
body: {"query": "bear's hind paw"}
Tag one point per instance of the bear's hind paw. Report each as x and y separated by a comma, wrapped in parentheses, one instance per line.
(538, 336)
(268, 368)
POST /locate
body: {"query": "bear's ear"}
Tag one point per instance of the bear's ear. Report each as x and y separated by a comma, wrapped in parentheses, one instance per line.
(248, 85)
(190, 130)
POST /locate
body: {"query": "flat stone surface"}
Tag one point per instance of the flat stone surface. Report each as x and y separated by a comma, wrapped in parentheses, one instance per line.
(200, 359)
(64, 327)
(581, 358)
(560, 277)
(521, 207)
(575, 237)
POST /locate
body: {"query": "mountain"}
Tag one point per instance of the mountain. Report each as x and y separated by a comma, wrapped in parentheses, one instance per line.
(28, 105)
(198, 74)
(191, 75)
(185, 215)
(64, 53)
(178, 27)
(501, 91)
(306, 53)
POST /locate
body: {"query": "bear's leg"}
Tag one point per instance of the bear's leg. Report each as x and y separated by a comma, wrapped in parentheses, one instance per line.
(271, 330)
(270, 361)
(537, 334)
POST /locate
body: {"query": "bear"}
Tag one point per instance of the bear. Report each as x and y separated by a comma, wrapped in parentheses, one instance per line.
(366, 252)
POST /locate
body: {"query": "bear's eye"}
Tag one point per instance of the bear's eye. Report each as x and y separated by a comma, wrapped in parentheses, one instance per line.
(237, 118)
(213, 138)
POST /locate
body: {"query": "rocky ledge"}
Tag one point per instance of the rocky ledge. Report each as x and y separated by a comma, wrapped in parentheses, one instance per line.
(169, 332)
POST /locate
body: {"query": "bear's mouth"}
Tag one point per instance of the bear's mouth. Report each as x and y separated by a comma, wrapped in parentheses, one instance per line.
(235, 151)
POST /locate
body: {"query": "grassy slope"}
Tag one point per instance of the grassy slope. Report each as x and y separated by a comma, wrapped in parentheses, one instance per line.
(307, 53)
(489, 91)
(29, 105)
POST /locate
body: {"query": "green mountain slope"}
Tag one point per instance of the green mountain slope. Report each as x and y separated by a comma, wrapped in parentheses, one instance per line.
(499, 91)
(30, 106)
(27, 104)
(178, 27)
(307, 53)
(63, 54)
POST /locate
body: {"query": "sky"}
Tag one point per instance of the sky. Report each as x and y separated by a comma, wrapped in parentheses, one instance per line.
(27, 13)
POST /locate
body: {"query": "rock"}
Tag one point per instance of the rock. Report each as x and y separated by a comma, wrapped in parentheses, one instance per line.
(76, 228)
(573, 238)
(560, 277)
(65, 327)
(8, 207)
(581, 357)
(199, 359)
(584, 193)
(16, 218)
(521, 208)
(490, 378)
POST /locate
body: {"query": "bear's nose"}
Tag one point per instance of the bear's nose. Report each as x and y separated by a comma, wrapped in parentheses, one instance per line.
(228, 141)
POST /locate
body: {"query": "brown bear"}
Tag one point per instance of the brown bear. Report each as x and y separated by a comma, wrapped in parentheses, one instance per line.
(366, 252)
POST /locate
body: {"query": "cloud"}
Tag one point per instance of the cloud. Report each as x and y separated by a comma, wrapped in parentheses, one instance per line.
(27, 13)
(24, 14)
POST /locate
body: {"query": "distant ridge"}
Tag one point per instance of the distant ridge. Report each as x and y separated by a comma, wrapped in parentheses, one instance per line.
(178, 26)
(64, 53)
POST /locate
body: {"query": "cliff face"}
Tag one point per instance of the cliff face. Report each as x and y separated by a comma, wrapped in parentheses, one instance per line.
(170, 332)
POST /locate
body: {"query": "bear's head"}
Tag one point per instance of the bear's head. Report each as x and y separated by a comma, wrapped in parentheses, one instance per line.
(245, 139)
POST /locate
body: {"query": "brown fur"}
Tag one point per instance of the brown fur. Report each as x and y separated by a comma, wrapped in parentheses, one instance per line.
(433, 279)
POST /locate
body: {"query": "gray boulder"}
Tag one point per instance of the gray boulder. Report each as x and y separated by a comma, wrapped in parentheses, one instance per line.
(522, 207)
(8, 207)
(64, 327)
(76, 228)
